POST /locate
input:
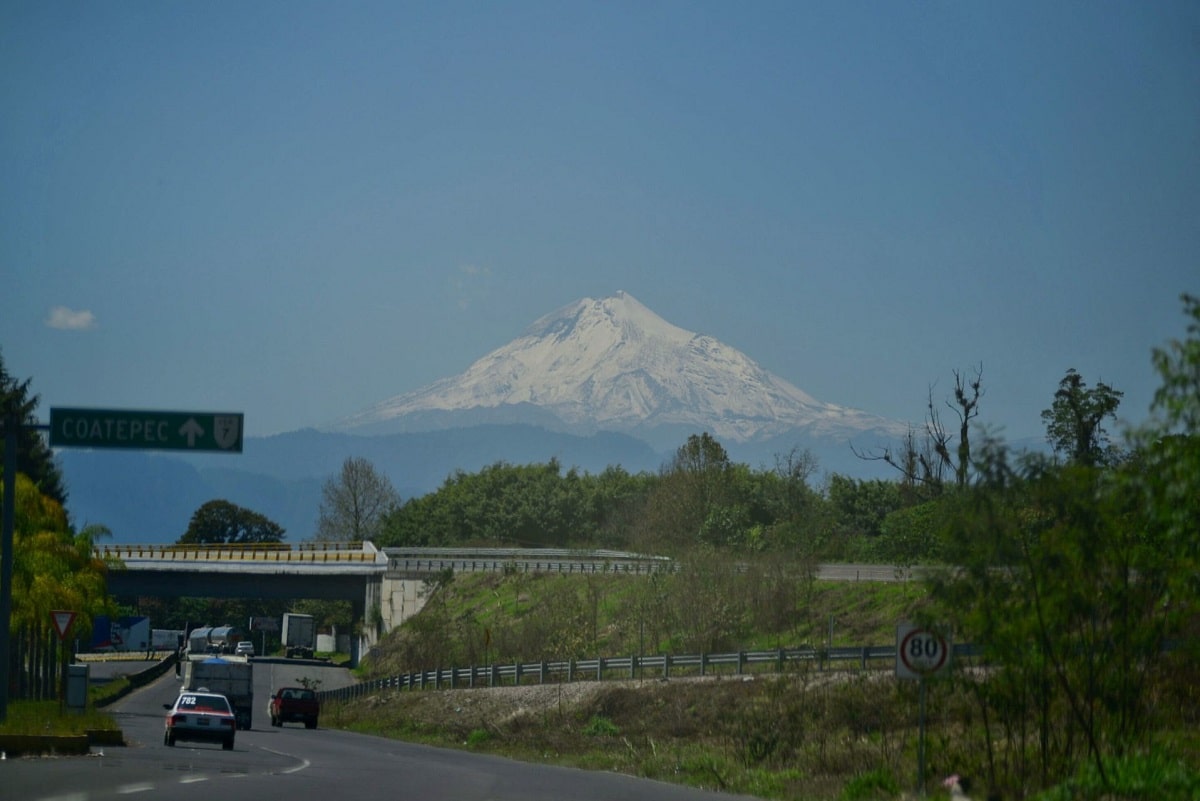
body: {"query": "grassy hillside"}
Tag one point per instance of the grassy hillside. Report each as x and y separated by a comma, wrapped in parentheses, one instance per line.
(809, 733)
(486, 618)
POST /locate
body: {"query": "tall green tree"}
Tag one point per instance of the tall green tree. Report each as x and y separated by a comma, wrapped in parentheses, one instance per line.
(34, 457)
(1072, 574)
(1075, 421)
(1166, 475)
(858, 507)
(1177, 401)
(614, 501)
(355, 503)
(690, 503)
(220, 522)
(53, 568)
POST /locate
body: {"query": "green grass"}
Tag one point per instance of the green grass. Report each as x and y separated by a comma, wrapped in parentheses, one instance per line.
(48, 717)
(1152, 776)
(105, 694)
(493, 606)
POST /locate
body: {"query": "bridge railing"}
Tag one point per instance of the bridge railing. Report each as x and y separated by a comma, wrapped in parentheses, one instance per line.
(577, 566)
(520, 553)
(255, 552)
(523, 560)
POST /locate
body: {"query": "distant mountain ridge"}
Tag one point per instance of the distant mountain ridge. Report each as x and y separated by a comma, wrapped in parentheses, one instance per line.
(147, 497)
(612, 364)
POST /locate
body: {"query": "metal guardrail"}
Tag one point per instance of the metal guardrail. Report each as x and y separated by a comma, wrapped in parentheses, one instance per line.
(622, 668)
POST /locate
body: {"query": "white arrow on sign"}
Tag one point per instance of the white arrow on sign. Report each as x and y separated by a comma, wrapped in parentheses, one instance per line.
(191, 429)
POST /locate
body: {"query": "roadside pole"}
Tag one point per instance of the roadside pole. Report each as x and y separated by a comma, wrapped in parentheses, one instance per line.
(11, 433)
(921, 654)
(97, 428)
(921, 740)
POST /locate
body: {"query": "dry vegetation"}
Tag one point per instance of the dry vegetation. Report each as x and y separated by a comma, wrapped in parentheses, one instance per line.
(803, 735)
(806, 734)
(847, 733)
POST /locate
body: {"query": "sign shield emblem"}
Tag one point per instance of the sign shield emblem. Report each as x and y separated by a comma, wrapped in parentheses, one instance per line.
(227, 430)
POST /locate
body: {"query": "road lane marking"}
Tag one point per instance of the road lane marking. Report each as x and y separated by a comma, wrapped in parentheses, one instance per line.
(304, 763)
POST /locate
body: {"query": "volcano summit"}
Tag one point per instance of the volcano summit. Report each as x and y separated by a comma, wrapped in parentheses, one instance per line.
(614, 365)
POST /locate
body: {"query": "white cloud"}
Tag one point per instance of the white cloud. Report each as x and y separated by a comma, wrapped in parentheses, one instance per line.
(70, 320)
(472, 284)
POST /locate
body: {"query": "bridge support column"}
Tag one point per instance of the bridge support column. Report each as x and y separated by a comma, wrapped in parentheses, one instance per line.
(402, 598)
(369, 619)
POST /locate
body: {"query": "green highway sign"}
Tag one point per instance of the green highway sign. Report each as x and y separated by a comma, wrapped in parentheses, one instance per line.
(125, 428)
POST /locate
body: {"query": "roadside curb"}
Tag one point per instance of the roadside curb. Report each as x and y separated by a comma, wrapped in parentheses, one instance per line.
(138, 680)
(19, 745)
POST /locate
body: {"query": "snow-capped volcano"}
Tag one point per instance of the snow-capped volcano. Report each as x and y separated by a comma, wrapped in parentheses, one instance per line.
(614, 365)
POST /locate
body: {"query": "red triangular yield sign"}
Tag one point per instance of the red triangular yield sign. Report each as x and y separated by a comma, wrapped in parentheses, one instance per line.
(62, 623)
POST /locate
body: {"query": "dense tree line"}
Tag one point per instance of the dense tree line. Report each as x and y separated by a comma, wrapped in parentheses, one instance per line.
(54, 566)
(700, 498)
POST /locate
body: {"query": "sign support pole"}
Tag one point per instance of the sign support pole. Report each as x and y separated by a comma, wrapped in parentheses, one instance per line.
(921, 741)
(12, 425)
(921, 654)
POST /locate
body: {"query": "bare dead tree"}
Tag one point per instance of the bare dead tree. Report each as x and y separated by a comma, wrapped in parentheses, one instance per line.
(966, 406)
(924, 460)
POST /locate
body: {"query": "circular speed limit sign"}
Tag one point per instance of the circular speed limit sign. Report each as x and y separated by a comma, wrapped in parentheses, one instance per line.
(920, 652)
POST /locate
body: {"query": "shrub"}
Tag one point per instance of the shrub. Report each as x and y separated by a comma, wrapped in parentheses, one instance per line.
(600, 726)
(478, 737)
(878, 783)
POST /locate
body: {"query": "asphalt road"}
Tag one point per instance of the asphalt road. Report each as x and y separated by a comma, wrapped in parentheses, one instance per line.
(300, 764)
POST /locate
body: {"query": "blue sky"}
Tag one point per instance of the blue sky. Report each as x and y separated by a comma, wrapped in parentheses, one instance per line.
(296, 210)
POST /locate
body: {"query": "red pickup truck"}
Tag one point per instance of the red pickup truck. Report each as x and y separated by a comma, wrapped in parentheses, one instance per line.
(294, 704)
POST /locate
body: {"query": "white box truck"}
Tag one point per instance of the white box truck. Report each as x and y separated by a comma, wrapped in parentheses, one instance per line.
(299, 635)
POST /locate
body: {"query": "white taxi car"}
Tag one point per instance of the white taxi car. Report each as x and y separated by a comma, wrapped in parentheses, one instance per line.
(201, 716)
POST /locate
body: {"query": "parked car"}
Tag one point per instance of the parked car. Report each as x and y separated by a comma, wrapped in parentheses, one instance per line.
(244, 648)
(298, 704)
(200, 716)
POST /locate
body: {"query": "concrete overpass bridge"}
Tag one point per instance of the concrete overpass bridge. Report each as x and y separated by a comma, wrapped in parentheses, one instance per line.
(353, 572)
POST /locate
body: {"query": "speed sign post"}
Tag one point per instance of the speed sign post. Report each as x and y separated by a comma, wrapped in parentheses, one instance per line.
(921, 653)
